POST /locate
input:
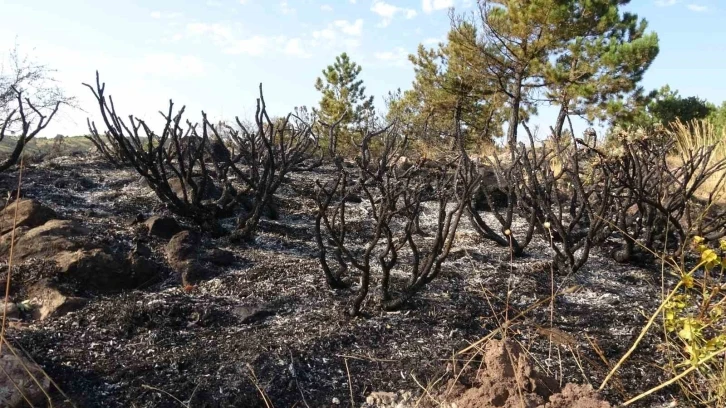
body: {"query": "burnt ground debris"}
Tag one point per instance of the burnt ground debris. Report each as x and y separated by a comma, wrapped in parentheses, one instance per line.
(268, 321)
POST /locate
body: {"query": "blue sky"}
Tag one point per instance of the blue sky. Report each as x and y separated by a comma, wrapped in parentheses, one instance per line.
(212, 54)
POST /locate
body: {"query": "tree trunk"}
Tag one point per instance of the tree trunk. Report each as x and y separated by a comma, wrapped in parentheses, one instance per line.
(514, 115)
(561, 117)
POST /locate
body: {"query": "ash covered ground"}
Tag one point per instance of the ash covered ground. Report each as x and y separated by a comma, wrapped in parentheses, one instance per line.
(267, 321)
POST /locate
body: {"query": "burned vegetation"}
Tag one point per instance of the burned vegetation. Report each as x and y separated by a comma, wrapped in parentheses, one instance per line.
(236, 264)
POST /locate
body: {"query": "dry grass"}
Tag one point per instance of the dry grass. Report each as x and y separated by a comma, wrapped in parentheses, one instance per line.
(697, 134)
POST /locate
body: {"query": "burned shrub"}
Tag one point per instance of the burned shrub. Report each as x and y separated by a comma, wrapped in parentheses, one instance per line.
(265, 157)
(658, 192)
(497, 193)
(191, 168)
(30, 120)
(394, 198)
(108, 147)
(564, 197)
(149, 154)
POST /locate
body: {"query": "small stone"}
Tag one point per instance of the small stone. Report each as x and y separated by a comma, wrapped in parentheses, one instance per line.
(162, 227)
(336, 401)
(251, 314)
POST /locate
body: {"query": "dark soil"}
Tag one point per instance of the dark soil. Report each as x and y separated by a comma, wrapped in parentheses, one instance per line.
(268, 323)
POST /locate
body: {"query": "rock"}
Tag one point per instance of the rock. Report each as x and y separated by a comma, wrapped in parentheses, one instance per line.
(218, 151)
(510, 379)
(211, 191)
(489, 184)
(30, 214)
(44, 241)
(74, 183)
(182, 253)
(22, 381)
(252, 314)
(381, 398)
(137, 219)
(99, 269)
(498, 196)
(143, 270)
(576, 396)
(12, 311)
(50, 302)
(182, 247)
(353, 198)
(96, 267)
(162, 227)
(219, 257)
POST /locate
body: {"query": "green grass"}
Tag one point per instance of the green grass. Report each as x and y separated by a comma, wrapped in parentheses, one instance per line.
(42, 146)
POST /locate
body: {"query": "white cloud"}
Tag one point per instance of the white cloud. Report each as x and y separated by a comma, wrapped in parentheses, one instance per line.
(168, 64)
(214, 3)
(326, 7)
(665, 3)
(285, 7)
(341, 34)
(429, 6)
(432, 41)
(294, 47)
(349, 28)
(325, 34)
(220, 33)
(253, 46)
(165, 15)
(396, 57)
(388, 11)
(697, 8)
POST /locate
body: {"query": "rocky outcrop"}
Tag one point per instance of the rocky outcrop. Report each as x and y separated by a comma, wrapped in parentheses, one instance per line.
(29, 214)
(95, 267)
(22, 381)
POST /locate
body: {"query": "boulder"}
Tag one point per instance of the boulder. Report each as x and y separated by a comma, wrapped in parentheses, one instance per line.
(182, 247)
(211, 191)
(162, 227)
(218, 151)
(96, 267)
(219, 257)
(182, 253)
(22, 381)
(143, 270)
(489, 185)
(92, 265)
(48, 301)
(44, 241)
(30, 214)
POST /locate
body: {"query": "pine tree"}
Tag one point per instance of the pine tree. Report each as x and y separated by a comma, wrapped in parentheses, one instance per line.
(600, 62)
(448, 79)
(343, 96)
(663, 107)
(583, 55)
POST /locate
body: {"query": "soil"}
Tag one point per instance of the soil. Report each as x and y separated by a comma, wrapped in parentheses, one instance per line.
(268, 325)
